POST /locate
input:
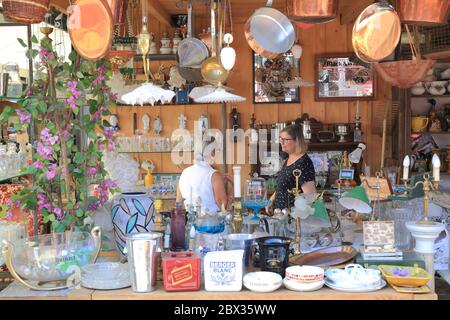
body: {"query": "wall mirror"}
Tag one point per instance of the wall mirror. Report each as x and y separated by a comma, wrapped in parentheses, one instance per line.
(271, 79)
(343, 77)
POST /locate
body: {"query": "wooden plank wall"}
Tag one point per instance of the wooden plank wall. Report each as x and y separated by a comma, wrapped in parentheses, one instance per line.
(327, 38)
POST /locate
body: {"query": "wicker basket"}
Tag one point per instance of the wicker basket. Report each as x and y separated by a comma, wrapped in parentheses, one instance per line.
(25, 11)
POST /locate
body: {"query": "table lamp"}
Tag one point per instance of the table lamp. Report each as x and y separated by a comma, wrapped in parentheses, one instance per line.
(320, 211)
(356, 199)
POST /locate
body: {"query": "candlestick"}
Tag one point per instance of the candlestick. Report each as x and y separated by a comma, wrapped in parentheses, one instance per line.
(237, 181)
(436, 167)
(406, 164)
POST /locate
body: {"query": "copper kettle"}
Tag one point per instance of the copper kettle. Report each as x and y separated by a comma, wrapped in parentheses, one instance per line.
(313, 11)
(423, 12)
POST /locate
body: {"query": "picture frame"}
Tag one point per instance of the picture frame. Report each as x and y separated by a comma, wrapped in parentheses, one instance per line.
(270, 77)
(343, 77)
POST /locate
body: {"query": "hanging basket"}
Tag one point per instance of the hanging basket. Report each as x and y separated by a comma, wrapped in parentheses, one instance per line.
(405, 73)
(25, 11)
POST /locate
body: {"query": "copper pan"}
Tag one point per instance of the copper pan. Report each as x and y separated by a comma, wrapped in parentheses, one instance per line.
(376, 32)
(313, 11)
(423, 12)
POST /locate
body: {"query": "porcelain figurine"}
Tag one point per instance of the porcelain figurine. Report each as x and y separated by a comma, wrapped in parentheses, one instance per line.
(203, 123)
(176, 41)
(153, 48)
(146, 122)
(165, 44)
(114, 122)
(182, 121)
(157, 125)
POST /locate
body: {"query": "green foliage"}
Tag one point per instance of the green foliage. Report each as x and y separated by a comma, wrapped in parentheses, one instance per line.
(60, 191)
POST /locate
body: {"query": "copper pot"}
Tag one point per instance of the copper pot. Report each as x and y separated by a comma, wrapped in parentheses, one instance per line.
(423, 12)
(314, 11)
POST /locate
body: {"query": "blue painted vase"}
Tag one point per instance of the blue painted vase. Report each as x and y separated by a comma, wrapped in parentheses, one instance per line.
(132, 212)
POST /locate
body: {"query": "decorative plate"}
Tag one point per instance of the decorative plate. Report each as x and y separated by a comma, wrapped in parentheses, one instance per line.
(360, 289)
(325, 257)
(91, 27)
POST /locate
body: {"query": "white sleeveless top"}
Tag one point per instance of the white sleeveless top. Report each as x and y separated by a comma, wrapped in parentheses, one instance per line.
(198, 180)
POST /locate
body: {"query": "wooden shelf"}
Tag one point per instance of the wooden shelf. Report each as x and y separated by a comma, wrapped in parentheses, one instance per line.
(447, 95)
(157, 57)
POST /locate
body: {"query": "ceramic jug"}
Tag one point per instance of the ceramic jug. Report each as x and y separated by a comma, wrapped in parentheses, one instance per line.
(419, 123)
(131, 213)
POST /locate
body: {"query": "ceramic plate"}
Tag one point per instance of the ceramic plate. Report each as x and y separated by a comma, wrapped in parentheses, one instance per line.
(301, 286)
(325, 257)
(361, 289)
(262, 281)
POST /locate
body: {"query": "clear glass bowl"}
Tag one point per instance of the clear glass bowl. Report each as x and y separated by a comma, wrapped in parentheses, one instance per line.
(53, 257)
(105, 276)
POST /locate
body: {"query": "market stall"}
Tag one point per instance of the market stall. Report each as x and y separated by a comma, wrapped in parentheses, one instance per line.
(224, 149)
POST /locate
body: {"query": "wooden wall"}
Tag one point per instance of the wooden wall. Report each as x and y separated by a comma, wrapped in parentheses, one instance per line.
(327, 38)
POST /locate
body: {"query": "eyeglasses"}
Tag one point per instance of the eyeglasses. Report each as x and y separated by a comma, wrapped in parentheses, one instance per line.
(283, 140)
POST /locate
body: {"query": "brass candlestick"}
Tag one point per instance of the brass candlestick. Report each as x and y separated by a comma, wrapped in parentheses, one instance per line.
(377, 187)
(427, 187)
(295, 192)
(237, 215)
(144, 45)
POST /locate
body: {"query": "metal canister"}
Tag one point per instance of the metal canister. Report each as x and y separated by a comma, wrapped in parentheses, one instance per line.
(143, 251)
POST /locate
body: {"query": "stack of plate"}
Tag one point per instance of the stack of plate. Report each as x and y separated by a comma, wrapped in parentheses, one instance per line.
(105, 276)
(354, 279)
(304, 278)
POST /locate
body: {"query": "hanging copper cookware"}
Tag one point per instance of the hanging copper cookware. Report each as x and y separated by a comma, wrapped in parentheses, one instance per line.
(423, 12)
(376, 32)
(269, 32)
(313, 11)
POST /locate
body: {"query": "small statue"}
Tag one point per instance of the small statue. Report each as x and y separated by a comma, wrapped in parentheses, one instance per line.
(146, 122)
(176, 41)
(203, 123)
(182, 121)
(114, 122)
(153, 48)
(165, 44)
(157, 125)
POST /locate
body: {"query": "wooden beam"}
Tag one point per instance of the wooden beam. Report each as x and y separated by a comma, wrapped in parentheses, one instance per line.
(350, 10)
(157, 11)
(60, 5)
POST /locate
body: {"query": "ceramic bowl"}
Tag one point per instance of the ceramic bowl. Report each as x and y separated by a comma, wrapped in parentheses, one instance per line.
(302, 286)
(305, 274)
(262, 281)
(418, 89)
(437, 90)
(354, 276)
(405, 276)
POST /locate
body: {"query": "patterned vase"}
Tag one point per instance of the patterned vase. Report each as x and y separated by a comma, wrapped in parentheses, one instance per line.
(132, 212)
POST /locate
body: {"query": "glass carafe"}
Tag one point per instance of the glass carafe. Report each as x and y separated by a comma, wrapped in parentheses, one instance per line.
(13, 165)
(3, 161)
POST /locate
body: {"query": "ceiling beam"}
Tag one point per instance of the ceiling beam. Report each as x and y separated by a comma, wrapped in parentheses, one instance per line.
(60, 5)
(157, 11)
(350, 10)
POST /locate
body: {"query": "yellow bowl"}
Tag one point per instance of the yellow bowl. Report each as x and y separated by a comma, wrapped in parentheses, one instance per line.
(417, 277)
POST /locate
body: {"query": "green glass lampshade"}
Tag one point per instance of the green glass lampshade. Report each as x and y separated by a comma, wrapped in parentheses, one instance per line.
(319, 210)
(356, 199)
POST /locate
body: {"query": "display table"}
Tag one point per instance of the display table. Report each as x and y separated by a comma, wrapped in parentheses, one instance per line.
(325, 293)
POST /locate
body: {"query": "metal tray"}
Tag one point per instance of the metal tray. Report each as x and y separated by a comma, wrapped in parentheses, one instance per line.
(325, 257)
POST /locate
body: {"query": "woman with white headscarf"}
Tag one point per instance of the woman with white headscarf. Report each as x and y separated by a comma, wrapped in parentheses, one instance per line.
(202, 181)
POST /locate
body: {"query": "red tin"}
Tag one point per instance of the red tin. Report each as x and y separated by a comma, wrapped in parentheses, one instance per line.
(181, 271)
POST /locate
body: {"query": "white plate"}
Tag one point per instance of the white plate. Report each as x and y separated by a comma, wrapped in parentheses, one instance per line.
(361, 289)
(302, 286)
(262, 281)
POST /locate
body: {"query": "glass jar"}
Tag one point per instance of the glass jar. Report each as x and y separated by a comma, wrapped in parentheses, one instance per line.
(256, 189)
(14, 84)
(13, 165)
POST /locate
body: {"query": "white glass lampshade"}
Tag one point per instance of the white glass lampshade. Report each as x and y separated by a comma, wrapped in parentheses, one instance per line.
(228, 57)
(297, 51)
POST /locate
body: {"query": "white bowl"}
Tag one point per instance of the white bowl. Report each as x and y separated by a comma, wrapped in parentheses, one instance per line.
(354, 276)
(302, 286)
(418, 89)
(262, 281)
(437, 90)
(305, 273)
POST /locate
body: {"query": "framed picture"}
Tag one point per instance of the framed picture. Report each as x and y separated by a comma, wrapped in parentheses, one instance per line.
(343, 77)
(271, 77)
